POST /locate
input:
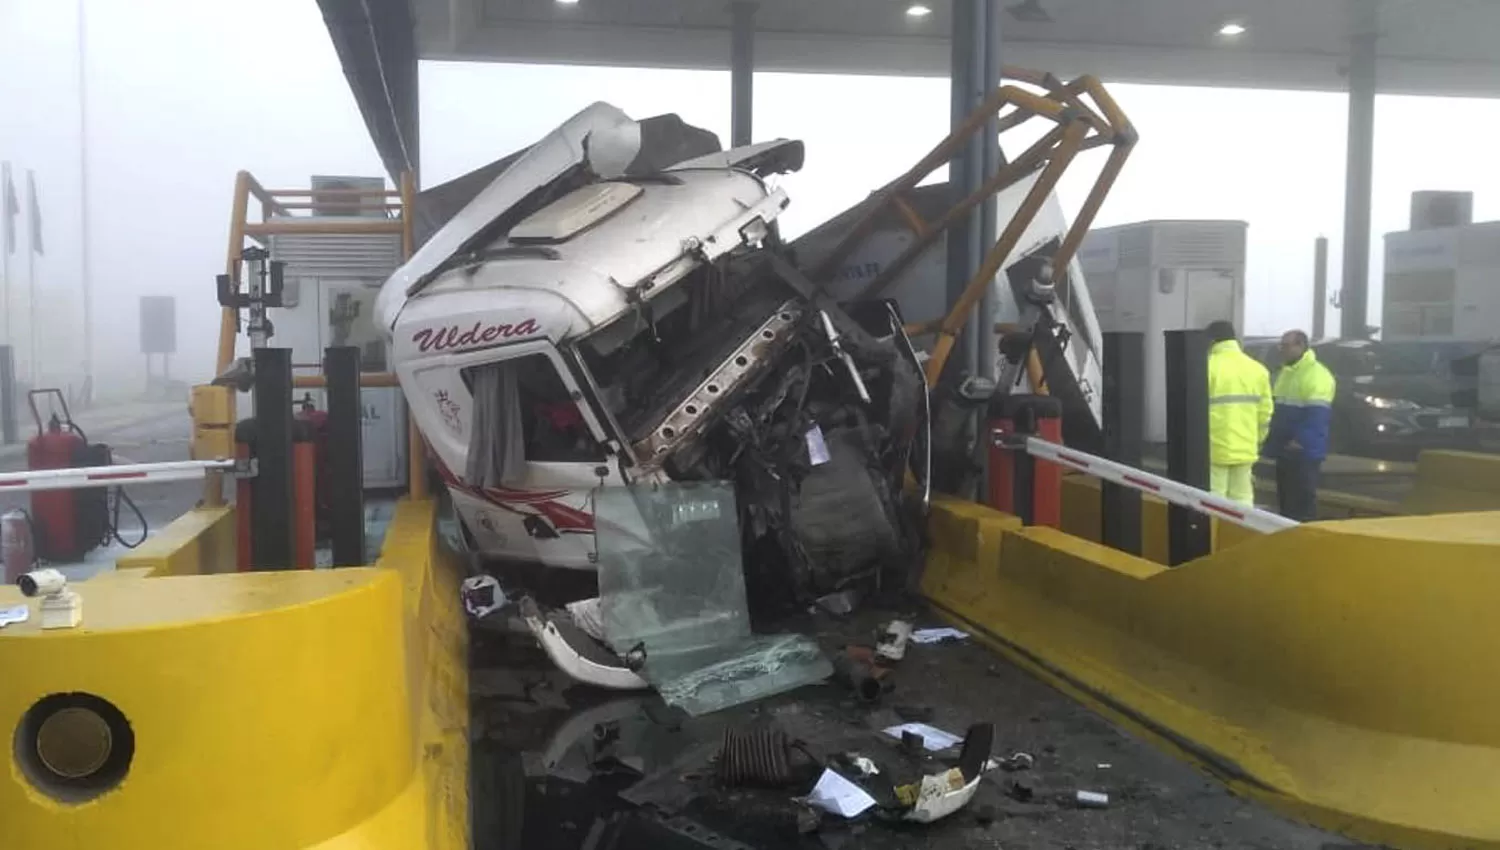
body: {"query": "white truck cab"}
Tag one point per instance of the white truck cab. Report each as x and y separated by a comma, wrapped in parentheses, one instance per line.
(614, 308)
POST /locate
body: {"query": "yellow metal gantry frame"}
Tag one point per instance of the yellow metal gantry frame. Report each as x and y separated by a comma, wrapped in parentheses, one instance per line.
(1084, 115)
(279, 215)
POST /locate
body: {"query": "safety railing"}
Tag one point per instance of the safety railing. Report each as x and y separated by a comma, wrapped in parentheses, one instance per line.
(83, 477)
(1165, 489)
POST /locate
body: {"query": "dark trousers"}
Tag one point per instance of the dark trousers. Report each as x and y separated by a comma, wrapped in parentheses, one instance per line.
(1297, 487)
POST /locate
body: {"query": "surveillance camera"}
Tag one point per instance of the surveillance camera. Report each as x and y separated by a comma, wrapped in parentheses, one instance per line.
(42, 583)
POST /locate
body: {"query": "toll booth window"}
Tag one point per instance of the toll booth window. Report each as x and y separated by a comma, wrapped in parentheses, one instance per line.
(524, 412)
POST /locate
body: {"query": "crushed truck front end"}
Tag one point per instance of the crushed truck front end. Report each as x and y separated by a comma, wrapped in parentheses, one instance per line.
(594, 326)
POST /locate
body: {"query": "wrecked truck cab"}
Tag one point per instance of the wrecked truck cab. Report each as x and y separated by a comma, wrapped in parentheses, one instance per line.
(486, 352)
(616, 307)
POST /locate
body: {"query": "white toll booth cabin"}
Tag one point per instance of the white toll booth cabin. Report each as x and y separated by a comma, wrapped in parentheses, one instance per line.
(1156, 276)
(1442, 277)
(331, 281)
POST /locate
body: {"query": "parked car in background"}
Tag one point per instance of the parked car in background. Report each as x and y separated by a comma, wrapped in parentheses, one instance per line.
(1394, 398)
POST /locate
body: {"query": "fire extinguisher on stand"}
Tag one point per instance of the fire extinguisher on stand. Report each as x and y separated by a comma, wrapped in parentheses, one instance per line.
(17, 546)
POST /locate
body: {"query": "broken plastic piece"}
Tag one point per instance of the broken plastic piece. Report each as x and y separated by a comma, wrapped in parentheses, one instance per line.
(892, 644)
(482, 596)
(580, 658)
(940, 795)
(1018, 761)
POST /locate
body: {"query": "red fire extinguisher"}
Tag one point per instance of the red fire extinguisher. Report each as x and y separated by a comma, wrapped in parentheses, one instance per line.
(17, 549)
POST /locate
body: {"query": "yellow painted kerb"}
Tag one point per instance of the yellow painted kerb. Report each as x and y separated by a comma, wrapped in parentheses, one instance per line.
(316, 709)
(1339, 670)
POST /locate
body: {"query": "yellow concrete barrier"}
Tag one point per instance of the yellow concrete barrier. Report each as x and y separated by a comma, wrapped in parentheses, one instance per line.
(199, 542)
(1081, 511)
(315, 709)
(1341, 671)
(1450, 481)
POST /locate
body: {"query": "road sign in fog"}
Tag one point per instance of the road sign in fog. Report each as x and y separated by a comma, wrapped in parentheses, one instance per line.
(158, 324)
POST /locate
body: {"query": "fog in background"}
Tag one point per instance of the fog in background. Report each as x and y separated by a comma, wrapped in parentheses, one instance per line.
(180, 95)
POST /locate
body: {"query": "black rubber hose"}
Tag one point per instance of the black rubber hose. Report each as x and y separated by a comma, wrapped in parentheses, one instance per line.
(113, 530)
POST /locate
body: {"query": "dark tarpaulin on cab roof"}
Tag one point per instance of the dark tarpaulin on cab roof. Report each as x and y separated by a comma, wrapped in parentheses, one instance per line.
(665, 141)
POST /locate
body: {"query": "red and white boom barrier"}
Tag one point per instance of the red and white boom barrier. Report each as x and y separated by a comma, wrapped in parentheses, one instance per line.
(1163, 488)
(106, 476)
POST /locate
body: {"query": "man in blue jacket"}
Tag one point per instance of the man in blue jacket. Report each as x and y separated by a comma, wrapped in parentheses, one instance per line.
(1298, 438)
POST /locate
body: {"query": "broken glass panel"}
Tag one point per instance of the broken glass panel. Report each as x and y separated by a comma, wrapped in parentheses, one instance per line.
(672, 588)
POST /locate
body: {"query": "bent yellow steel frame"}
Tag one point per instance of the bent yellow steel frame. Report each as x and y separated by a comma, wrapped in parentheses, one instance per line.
(1085, 117)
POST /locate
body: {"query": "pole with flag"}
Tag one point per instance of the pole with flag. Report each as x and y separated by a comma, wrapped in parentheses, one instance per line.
(34, 211)
(10, 209)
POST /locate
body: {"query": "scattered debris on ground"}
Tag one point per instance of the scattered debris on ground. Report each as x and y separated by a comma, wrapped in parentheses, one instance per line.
(579, 766)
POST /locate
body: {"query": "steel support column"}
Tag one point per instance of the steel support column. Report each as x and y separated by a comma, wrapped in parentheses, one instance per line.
(742, 73)
(1124, 415)
(346, 510)
(1189, 533)
(1358, 176)
(991, 159)
(975, 72)
(965, 173)
(1319, 327)
(271, 518)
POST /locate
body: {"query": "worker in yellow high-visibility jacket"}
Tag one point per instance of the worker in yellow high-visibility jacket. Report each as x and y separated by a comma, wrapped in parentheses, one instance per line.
(1239, 414)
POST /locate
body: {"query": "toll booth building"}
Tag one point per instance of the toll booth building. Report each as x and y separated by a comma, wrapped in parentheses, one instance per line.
(331, 280)
(1156, 276)
(1441, 275)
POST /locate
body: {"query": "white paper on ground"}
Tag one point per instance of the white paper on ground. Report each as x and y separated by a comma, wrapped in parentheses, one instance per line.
(933, 738)
(837, 795)
(817, 447)
(938, 634)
